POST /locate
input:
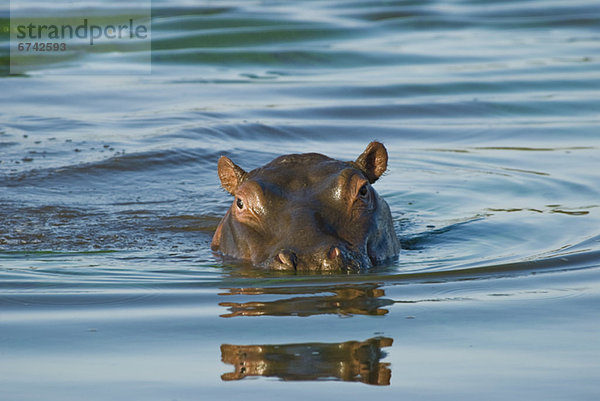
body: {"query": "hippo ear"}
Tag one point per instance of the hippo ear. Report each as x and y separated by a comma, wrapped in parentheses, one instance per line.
(230, 174)
(373, 161)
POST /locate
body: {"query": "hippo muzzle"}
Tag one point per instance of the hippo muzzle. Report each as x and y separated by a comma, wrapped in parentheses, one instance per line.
(325, 259)
(308, 212)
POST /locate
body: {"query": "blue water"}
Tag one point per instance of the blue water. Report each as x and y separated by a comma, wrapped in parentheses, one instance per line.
(109, 198)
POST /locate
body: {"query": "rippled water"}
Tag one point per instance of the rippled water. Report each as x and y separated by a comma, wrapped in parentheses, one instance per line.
(109, 198)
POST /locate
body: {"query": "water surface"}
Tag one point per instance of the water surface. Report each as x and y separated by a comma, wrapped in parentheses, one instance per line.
(109, 198)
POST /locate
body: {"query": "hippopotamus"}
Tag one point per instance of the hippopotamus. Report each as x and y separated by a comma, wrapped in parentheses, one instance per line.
(308, 212)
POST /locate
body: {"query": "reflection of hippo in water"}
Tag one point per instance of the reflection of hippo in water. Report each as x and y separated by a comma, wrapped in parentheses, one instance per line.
(358, 361)
(308, 212)
(340, 299)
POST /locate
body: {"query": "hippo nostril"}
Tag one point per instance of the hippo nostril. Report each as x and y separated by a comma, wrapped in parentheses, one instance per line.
(334, 253)
(287, 258)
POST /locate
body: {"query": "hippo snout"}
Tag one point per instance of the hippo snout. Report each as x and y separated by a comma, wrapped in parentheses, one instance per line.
(334, 258)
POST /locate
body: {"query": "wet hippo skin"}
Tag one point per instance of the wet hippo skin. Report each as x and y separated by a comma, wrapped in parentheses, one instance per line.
(308, 212)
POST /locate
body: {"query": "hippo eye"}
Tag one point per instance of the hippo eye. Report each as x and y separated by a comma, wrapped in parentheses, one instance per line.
(239, 203)
(363, 191)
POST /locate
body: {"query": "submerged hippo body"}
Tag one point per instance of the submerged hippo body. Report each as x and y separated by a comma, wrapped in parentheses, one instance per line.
(308, 212)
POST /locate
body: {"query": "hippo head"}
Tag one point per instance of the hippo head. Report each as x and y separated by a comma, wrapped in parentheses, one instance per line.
(308, 212)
